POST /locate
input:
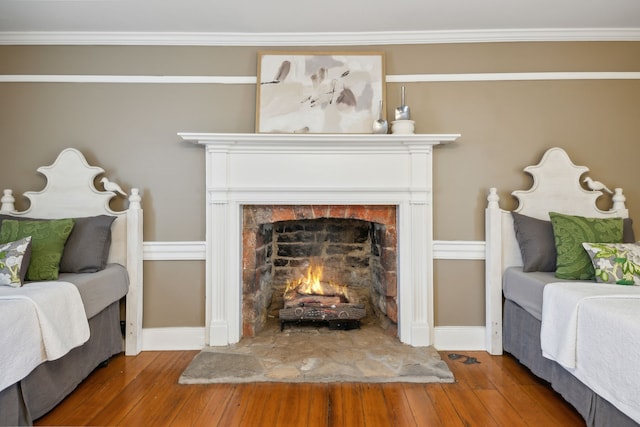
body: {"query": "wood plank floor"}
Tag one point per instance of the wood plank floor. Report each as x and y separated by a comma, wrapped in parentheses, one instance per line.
(144, 390)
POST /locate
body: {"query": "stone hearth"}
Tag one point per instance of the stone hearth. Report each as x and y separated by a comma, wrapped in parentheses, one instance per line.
(318, 170)
(317, 355)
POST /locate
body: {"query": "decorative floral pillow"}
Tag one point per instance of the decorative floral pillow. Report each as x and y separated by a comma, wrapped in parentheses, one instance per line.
(14, 261)
(617, 263)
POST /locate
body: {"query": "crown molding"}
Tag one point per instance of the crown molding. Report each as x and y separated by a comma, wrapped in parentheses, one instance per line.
(316, 39)
(251, 80)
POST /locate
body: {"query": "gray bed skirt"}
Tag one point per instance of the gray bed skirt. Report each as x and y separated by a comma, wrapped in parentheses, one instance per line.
(521, 338)
(51, 382)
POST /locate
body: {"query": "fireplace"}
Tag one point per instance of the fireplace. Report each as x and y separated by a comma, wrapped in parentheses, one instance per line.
(323, 264)
(303, 172)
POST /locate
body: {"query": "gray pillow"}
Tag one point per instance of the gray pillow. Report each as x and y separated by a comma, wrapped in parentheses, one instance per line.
(628, 236)
(87, 248)
(537, 242)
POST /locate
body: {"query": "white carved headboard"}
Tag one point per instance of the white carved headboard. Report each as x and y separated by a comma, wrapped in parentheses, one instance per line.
(557, 186)
(70, 193)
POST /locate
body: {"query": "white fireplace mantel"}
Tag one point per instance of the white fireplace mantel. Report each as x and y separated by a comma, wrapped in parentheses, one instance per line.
(318, 169)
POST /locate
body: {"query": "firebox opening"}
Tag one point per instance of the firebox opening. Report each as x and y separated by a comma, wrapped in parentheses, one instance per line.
(351, 260)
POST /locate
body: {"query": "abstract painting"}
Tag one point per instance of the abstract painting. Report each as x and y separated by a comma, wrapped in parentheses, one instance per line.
(319, 92)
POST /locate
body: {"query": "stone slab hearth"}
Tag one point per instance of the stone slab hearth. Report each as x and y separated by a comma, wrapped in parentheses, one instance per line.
(317, 356)
(326, 170)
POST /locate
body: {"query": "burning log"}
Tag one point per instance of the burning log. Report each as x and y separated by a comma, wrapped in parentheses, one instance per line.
(310, 299)
(319, 300)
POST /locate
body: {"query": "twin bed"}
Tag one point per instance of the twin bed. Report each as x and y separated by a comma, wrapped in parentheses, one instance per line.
(565, 312)
(57, 330)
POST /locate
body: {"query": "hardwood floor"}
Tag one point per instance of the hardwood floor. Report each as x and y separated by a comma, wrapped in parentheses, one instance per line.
(144, 390)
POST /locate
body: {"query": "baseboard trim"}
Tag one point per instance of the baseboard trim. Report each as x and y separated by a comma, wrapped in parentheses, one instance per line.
(178, 338)
(469, 338)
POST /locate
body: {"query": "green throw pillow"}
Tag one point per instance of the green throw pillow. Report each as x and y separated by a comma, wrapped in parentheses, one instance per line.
(570, 232)
(617, 263)
(47, 243)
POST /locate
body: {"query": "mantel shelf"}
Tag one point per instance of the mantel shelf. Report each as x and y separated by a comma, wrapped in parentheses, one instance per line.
(343, 141)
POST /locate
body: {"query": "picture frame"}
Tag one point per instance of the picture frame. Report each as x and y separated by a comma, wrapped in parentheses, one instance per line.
(319, 92)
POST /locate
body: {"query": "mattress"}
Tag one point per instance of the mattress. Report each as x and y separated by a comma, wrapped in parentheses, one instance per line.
(98, 290)
(526, 289)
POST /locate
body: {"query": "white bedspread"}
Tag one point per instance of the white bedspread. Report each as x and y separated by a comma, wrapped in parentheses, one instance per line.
(593, 330)
(40, 321)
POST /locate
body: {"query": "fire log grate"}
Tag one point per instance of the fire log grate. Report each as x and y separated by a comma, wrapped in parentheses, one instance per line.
(342, 316)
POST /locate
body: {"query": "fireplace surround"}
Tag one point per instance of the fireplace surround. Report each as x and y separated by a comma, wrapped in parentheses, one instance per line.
(349, 170)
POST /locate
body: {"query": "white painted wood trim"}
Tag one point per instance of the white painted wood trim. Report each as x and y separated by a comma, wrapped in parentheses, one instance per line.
(446, 338)
(73, 78)
(317, 39)
(251, 80)
(459, 338)
(493, 274)
(407, 160)
(196, 250)
(135, 295)
(458, 249)
(497, 77)
(176, 338)
(174, 251)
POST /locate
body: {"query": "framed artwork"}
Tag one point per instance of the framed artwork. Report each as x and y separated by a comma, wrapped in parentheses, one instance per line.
(325, 92)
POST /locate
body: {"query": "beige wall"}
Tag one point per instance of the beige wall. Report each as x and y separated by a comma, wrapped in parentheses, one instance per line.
(130, 131)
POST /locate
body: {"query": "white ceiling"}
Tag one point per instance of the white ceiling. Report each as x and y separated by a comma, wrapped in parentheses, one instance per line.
(257, 19)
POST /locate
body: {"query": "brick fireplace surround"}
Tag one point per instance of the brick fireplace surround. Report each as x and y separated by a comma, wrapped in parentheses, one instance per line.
(256, 296)
(307, 170)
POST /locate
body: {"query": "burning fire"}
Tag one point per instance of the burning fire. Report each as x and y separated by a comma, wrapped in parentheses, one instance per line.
(312, 284)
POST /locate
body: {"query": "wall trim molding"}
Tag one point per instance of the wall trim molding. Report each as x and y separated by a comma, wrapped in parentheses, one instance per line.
(174, 251)
(73, 78)
(317, 39)
(196, 251)
(446, 338)
(251, 80)
(458, 249)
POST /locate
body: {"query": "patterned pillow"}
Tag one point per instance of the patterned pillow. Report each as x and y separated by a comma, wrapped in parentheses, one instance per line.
(617, 263)
(47, 243)
(570, 232)
(14, 261)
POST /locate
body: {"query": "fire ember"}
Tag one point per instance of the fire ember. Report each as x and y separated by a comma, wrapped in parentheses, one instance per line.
(310, 299)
